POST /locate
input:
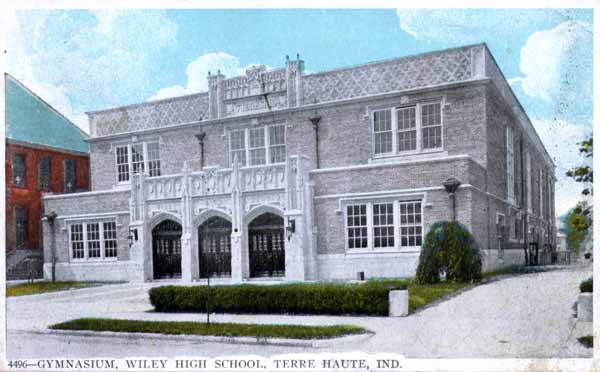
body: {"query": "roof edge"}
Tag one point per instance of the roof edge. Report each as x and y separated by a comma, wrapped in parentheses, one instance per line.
(33, 94)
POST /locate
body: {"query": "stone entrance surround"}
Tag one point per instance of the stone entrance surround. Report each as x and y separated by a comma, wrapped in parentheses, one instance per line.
(190, 198)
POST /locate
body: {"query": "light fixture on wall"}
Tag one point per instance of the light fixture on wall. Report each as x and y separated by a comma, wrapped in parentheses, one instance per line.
(132, 237)
(451, 185)
(290, 228)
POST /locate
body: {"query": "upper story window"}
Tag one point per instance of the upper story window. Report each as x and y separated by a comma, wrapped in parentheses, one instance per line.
(44, 173)
(373, 226)
(541, 198)
(18, 170)
(70, 175)
(93, 240)
(528, 182)
(510, 165)
(257, 146)
(136, 158)
(410, 129)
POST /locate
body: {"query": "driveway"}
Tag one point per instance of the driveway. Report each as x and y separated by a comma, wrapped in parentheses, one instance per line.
(520, 316)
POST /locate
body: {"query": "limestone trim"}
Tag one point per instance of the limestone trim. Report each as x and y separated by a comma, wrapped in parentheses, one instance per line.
(393, 164)
(85, 193)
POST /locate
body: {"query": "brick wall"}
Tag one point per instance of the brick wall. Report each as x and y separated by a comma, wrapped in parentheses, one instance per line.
(29, 196)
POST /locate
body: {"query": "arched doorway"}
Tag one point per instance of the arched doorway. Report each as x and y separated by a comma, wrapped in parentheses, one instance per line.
(166, 250)
(266, 246)
(214, 247)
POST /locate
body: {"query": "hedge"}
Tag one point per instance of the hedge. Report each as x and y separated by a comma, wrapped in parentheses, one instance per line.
(369, 298)
(587, 285)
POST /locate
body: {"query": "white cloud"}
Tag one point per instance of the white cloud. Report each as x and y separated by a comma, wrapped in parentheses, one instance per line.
(549, 63)
(197, 73)
(81, 60)
(561, 140)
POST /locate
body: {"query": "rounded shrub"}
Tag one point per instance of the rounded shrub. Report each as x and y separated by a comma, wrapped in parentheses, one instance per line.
(449, 248)
(587, 285)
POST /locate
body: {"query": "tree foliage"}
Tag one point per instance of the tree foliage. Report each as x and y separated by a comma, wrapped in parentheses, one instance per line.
(584, 173)
(449, 248)
(577, 224)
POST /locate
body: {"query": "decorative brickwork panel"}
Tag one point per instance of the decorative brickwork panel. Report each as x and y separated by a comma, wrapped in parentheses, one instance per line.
(421, 71)
(155, 115)
(255, 104)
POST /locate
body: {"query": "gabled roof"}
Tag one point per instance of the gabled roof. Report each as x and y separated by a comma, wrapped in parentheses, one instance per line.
(30, 119)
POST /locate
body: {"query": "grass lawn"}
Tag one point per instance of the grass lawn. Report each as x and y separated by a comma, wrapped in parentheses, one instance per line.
(424, 294)
(43, 287)
(213, 329)
(587, 341)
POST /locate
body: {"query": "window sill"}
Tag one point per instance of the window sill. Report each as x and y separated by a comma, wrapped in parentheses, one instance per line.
(430, 154)
(359, 251)
(92, 260)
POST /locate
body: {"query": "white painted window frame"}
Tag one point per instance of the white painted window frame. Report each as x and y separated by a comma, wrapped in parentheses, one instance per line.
(85, 241)
(130, 159)
(267, 144)
(418, 126)
(370, 228)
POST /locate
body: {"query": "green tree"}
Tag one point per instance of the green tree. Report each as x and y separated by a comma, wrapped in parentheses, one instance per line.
(576, 227)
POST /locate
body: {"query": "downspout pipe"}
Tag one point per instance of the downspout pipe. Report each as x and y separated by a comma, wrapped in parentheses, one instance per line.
(315, 123)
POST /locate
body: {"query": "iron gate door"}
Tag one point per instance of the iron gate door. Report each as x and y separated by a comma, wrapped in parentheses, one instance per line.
(214, 246)
(266, 246)
(166, 250)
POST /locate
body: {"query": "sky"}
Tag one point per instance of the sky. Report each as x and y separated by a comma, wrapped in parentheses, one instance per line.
(84, 60)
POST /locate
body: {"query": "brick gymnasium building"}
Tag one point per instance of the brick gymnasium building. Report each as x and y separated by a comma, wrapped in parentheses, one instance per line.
(308, 176)
(45, 154)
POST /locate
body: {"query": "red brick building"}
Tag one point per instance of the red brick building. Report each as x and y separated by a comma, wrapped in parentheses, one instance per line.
(45, 153)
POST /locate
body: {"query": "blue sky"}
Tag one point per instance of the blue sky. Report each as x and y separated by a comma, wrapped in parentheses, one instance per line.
(81, 60)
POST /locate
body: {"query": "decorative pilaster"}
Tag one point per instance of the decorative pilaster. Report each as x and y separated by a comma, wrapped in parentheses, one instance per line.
(295, 70)
(237, 257)
(186, 219)
(216, 106)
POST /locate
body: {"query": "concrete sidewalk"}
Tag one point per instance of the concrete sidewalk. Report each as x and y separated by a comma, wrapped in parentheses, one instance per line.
(520, 316)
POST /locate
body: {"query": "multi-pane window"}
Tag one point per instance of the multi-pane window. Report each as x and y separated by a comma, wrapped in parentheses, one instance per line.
(122, 163)
(44, 173)
(356, 223)
(541, 197)
(407, 129)
(382, 129)
(137, 158)
(277, 143)
(257, 146)
(94, 240)
(411, 230)
(383, 225)
(528, 181)
(77, 242)
(510, 165)
(70, 175)
(153, 159)
(410, 129)
(431, 123)
(110, 239)
(237, 147)
(21, 225)
(18, 170)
